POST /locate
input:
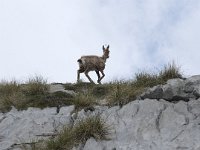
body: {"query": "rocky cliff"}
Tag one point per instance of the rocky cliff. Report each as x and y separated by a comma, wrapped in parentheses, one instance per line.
(165, 117)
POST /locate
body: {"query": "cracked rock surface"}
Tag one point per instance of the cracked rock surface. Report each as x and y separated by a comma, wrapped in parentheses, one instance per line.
(140, 125)
(152, 125)
(31, 125)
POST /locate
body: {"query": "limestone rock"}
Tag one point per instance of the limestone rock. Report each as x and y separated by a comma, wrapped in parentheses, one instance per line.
(175, 90)
(59, 88)
(152, 125)
(31, 125)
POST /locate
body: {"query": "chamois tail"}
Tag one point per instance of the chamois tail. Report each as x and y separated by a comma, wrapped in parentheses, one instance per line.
(79, 61)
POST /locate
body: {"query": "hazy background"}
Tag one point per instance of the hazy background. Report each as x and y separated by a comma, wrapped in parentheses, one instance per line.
(46, 37)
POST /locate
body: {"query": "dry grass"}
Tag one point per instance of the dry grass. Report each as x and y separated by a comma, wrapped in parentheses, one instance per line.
(121, 92)
(170, 71)
(34, 92)
(36, 86)
(71, 137)
(10, 95)
(82, 101)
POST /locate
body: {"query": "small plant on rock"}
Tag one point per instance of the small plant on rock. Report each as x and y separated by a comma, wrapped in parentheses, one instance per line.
(91, 127)
(82, 101)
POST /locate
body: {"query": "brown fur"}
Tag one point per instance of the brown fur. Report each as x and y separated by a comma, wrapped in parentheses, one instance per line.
(93, 63)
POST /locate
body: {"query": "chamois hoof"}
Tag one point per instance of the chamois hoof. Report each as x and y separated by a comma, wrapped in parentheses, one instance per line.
(92, 82)
(78, 81)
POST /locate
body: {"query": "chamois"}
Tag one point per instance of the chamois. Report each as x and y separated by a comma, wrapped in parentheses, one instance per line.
(93, 63)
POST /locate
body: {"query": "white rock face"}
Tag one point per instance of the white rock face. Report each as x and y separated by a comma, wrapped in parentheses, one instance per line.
(152, 125)
(140, 125)
(31, 125)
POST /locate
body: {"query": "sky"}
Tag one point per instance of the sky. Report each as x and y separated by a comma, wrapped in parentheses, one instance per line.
(46, 37)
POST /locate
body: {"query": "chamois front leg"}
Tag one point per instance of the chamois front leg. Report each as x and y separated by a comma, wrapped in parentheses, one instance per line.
(78, 74)
(86, 74)
(97, 72)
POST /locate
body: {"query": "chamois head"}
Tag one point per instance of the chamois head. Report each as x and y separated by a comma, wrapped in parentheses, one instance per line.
(106, 52)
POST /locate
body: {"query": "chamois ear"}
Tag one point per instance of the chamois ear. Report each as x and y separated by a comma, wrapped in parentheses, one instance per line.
(103, 47)
(108, 47)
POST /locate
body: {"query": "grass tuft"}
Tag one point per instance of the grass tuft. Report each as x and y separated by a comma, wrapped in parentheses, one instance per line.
(83, 101)
(36, 86)
(144, 79)
(170, 71)
(70, 137)
(123, 92)
(32, 93)
(10, 95)
(94, 127)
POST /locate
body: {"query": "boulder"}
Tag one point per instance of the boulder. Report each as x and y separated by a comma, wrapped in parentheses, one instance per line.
(175, 90)
(192, 85)
(60, 88)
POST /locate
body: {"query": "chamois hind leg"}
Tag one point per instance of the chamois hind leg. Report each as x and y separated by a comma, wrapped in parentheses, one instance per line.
(97, 72)
(103, 75)
(86, 74)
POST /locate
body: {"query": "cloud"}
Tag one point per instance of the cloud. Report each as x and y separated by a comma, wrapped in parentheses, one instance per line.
(47, 37)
